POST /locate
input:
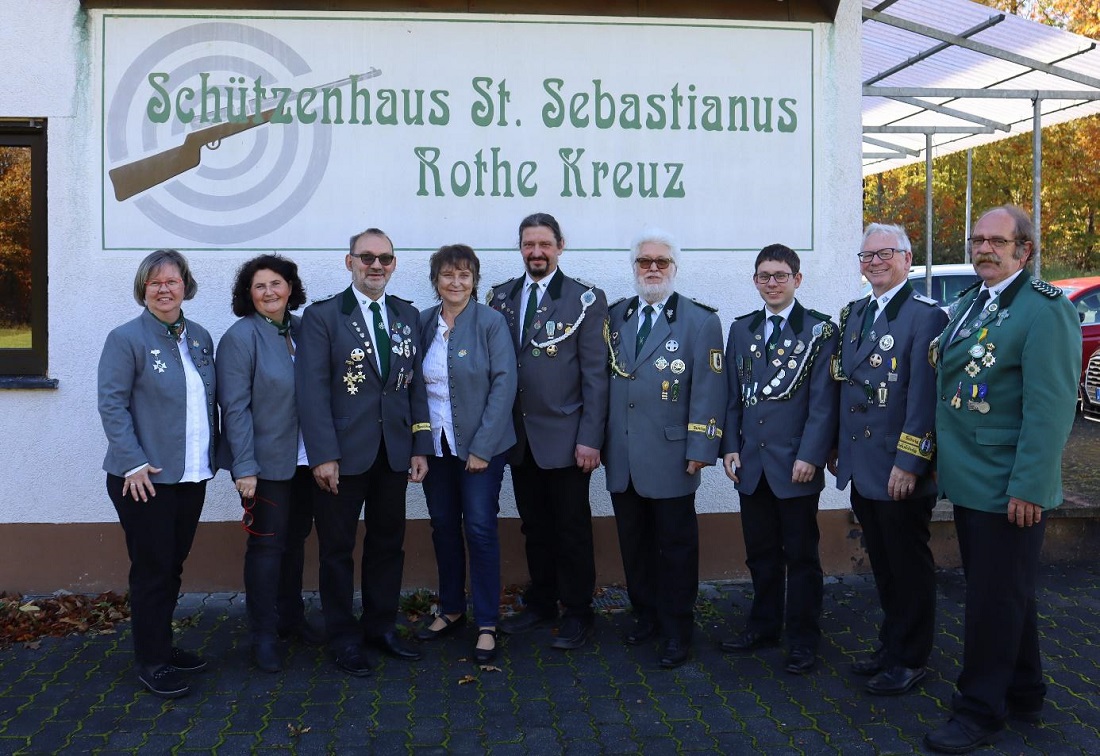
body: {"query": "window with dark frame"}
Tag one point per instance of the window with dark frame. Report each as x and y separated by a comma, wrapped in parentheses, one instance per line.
(23, 314)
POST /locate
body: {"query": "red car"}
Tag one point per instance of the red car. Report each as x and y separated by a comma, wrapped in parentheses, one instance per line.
(1085, 295)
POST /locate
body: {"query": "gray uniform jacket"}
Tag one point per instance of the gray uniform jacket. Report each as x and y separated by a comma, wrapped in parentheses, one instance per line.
(143, 396)
(562, 395)
(481, 365)
(345, 407)
(256, 394)
(782, 404)
(668, 404)
(887, 394)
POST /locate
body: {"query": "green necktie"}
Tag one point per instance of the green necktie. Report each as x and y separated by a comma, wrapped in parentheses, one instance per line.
(777, 326)
(532, 305)
(643, 332)
(868, 321)
(381, 342)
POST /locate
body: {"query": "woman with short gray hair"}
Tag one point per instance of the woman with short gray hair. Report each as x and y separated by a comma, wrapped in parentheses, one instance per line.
(156, 402)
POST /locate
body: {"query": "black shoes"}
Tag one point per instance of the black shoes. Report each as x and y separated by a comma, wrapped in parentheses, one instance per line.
(486, 655)
(163, 680)
(870, 665)
(895, 680)
(304, 632)
(573, 634)
(265, 655)
(800, 660)
(749, 640)
(353, 661)
(450, 626)
(674, 652)
(957, 736)
(524, 622)
(389, 644)
(185, 661)
(643, 630)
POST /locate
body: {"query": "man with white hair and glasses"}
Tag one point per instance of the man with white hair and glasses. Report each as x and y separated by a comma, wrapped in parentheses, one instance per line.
(885, 449)
(665, 416)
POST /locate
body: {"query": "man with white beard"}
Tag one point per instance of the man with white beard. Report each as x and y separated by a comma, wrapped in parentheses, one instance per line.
(667, 405)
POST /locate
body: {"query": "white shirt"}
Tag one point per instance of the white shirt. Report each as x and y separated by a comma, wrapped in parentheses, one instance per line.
(785, 314)
(658, 308)
(196, 443)
(368, 314)
(994, 292)
(540, 290)
(437, 381)
(885, 298)
(302, 458)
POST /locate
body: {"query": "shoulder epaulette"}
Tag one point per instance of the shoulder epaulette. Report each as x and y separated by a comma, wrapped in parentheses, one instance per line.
(325, 299)
(584, 283)
(705, 306)
(819, 315)
(926, 300)
(1046, 289)
(617, 302)
(748, 314)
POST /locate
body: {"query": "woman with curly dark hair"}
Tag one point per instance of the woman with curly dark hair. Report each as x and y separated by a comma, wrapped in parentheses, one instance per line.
(263, 450)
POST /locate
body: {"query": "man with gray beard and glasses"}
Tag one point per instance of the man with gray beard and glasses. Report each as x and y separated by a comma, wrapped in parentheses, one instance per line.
(667, 406)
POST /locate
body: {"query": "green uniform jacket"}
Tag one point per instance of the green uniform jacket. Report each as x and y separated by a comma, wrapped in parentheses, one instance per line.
(1027, 355)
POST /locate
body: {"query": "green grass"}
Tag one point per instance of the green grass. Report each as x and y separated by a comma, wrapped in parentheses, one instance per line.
(15, 338)
(1053, 271)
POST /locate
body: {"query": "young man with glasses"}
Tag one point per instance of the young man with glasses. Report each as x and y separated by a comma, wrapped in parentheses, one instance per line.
(667, 409)
(1008, 365)
(781, 426)
(557, 325)
(365, 422)
(886, 444)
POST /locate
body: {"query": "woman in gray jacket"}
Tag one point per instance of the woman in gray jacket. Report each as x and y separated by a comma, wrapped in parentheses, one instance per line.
(156, 401)
(263, 450)
(470, 373)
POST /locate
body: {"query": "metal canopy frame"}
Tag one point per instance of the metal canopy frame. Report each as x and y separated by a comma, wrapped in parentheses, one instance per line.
(987, 75)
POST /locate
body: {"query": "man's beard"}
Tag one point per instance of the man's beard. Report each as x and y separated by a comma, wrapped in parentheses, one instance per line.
(653, 292)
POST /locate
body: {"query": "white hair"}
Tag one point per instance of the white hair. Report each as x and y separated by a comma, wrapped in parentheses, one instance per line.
(657, 236)
(901, 239)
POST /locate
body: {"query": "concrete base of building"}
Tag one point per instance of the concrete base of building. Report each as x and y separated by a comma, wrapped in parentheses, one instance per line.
(91, 557)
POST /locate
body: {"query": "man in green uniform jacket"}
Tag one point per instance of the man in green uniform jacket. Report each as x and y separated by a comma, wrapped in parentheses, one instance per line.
(1008, 364)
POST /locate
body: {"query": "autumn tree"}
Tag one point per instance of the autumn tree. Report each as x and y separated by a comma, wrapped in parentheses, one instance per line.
(15, 236)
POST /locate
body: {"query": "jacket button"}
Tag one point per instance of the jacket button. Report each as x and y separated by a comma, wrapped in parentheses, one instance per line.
(762, 444)
(853, 438)
(632, 405)
(760, 422)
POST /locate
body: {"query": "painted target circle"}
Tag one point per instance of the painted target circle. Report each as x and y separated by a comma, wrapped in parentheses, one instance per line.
(246, 185)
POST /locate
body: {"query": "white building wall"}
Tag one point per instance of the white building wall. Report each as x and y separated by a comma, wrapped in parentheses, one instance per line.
(51, 443)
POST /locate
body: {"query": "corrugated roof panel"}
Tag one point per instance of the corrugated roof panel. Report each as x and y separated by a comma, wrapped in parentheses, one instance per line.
(886, 46)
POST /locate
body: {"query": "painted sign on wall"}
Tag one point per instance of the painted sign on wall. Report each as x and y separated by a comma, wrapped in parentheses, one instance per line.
(233, 131)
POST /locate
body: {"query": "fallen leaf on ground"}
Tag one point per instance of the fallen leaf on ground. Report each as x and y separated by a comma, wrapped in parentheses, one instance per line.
(466, 679)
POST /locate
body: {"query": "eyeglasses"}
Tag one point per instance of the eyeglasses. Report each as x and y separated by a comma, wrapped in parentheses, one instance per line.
(763, 278)
(883, 254)
(172, 284)
(645, 263)
(996, 242)
(368, 259)
(247, 518)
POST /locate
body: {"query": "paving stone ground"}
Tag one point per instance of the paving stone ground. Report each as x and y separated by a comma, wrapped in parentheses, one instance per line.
(79, 695)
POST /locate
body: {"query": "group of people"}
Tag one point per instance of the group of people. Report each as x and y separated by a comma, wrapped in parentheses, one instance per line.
(326, 418)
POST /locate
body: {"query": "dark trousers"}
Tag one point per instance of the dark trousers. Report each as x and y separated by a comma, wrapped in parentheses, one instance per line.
(461, 502)
(896, 534)
(1001, 665)
(781, 545)
(159, 533)
(281, 517)
(379, 495)
(659, 541)
(557, 529)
